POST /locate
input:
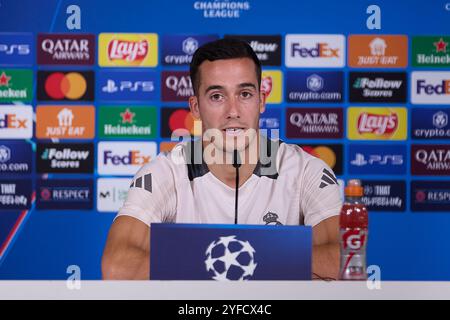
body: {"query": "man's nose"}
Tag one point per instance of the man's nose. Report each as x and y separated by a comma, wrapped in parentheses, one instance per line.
(233, 109)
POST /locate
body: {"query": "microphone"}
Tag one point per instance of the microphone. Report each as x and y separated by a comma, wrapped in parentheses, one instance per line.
(236, 164)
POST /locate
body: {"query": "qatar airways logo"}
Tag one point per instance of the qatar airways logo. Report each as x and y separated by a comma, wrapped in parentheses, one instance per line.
(127, 50)
(377, 124)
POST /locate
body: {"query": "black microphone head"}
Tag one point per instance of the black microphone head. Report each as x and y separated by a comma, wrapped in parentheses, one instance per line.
(236, 159)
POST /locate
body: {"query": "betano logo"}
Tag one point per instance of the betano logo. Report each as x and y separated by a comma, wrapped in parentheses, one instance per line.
(304, 50)
(377, 123)
(380, 51)
(271, 83)
(128, 50)
(65, 122)
(16, 122)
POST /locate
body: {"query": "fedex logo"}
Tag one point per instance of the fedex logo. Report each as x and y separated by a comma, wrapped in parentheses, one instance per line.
(12, 121)
(133, 157)
(124, 158)
(16, 122)
(320, 50)
(442, 88)
(430, 87)
(315, 50)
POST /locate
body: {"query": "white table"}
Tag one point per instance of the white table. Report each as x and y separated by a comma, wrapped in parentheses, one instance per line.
(211, 290)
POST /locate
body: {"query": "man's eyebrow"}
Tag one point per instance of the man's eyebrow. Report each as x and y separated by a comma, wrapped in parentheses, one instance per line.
(247, 84)
(215, 87)
(241, 85)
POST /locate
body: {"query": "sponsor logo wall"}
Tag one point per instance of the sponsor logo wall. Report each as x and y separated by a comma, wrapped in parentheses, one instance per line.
(370, 106)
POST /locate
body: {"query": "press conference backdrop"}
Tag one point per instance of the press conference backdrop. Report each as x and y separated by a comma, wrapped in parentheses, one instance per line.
(91, 90)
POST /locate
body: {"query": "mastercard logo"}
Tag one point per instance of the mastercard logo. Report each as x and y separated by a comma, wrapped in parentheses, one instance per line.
(322, 152)
(70, 86)
(183, 119)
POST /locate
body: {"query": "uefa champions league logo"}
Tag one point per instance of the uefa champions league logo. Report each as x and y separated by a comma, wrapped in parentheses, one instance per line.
(230, 259)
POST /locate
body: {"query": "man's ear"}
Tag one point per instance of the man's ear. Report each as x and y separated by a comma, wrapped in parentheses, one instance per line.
(193, 105)
(262, 101)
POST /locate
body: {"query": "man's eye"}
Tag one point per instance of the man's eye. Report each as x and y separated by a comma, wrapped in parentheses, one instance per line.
(216, 97)
(246, 94)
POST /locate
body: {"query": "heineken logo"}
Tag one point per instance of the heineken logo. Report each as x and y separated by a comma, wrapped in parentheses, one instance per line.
(430, 51)
(127, 116)
(4, 79)
(127, 122)
(441, 46)
(15, 85)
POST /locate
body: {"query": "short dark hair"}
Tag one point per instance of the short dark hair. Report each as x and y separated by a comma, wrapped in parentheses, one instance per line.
(219, 50)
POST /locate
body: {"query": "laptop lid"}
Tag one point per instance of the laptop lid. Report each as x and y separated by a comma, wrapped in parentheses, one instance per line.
(230, 252)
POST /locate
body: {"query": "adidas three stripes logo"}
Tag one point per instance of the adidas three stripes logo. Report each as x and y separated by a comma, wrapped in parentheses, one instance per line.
(144, 182)
(327, 179)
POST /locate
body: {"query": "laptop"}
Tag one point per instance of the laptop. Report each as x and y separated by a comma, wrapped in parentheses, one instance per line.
(230, 252)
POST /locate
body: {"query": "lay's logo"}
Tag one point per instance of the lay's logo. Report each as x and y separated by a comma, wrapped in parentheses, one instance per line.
(377, 123)
(128, 50)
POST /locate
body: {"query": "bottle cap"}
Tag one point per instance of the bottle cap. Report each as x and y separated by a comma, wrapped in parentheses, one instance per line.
(354, 188)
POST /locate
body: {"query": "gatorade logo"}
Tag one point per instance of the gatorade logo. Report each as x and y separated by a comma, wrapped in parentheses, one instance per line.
(68, 86)
(354, 239)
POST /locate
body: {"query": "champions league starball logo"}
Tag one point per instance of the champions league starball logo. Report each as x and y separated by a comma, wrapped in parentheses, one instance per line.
(230, 259)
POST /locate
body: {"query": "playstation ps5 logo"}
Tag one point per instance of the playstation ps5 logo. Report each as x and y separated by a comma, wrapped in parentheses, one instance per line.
(314, 82)
(110, 87)
(132, 86)
(393, 159)
(190, 45)
(440, 119)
